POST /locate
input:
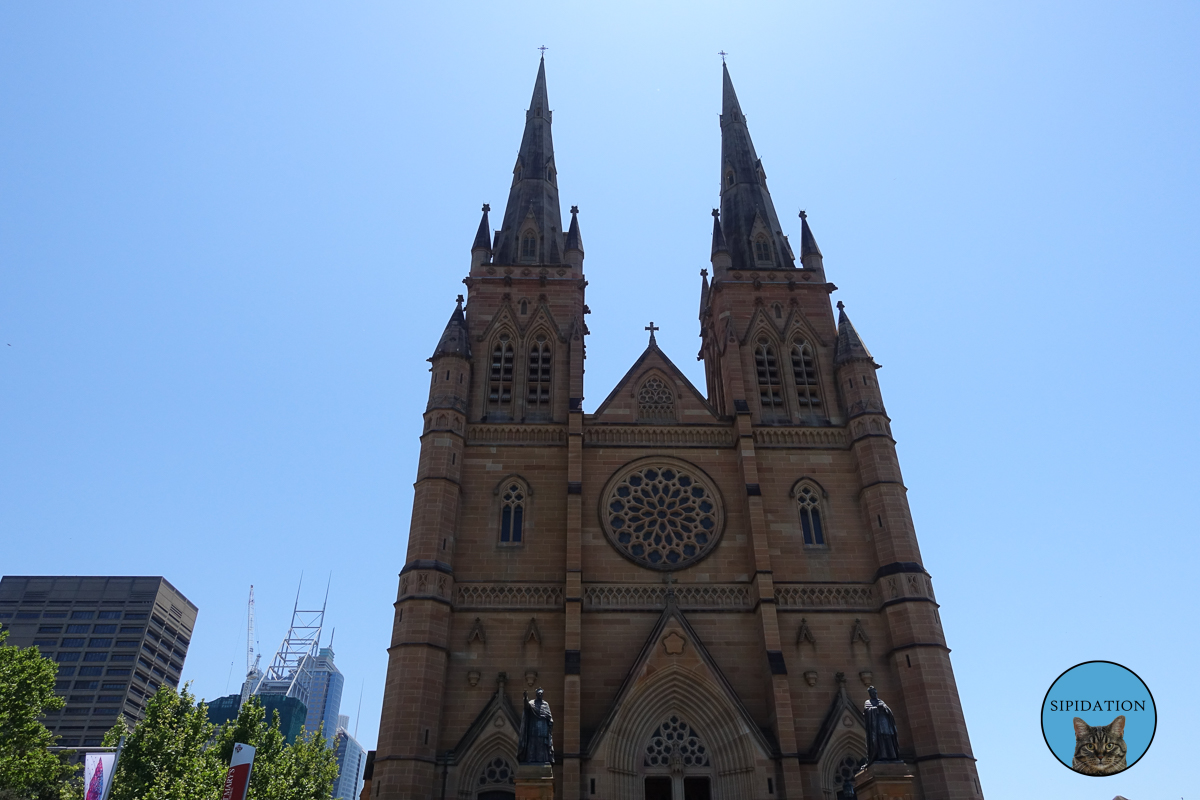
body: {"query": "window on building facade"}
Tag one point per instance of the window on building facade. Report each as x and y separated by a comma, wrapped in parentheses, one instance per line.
(770, 389)
(808, 505)
(655, 400)
(529, 246)
(512, 512)
(538, 396)
(500, 377)
(762, 248)
(804, 370)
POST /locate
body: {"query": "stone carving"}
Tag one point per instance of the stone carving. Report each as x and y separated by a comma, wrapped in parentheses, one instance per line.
(858, 633)
(535, 743)
(507, 595)
(804, 634)
(477, 634)
(882, 744)
(653, 435)
(663, 515)
(517, 434)
(799, 596)
(650, 597)
(810, 678)
(674, 643)
(532, 634)
(800, 437)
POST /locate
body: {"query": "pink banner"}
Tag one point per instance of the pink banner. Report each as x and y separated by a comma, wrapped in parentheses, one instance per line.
(237, 779)
(97, 774)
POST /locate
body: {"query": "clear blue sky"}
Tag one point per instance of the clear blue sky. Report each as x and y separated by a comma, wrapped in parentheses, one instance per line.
(230, 234)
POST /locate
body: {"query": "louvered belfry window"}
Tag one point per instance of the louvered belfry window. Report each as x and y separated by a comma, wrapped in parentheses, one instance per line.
(804, 368)
(762, 249)
(769, 386)
(538, 397)
(528, 246)
(501, 375)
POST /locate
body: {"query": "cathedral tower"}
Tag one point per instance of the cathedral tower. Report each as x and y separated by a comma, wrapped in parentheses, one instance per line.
(704, 583)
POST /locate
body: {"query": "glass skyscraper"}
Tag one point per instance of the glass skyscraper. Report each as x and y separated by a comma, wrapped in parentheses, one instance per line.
(324, 683)
(351, 759)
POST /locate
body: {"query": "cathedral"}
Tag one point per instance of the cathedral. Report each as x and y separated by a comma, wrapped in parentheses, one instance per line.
(704, 580)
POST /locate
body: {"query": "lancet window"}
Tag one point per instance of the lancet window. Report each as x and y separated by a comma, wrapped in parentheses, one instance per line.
(762, 248)
(501, 375)
(770, 389)
(512, 512)
(538, 396)
(529, 246)
(804, 371)
(808, 505)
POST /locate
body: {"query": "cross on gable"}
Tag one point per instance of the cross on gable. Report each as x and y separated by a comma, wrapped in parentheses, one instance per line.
(652, 328)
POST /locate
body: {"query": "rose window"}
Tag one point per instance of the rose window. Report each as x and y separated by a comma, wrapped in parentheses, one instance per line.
(676, 743)
(662, 515)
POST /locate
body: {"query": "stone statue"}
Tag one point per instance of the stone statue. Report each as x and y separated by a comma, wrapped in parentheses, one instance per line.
(882, 744)
(535, 744)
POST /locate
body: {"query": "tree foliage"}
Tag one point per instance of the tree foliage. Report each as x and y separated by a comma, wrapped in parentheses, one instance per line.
(175, 753)
(27, 768)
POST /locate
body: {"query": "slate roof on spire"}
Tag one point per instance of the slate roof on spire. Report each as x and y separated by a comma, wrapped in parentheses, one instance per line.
(747, 198)
(483, 236)
(454, 340)
(808, 243)
(850, 346)
(534, 191)
(574, 241)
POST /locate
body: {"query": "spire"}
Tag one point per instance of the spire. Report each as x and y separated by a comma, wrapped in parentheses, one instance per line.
(574, 242)
(850, 346)
(747, 212)
(454, 339)
(810, 254)
(718, 239)
(703, 291)
(483, 236)
(532, 208)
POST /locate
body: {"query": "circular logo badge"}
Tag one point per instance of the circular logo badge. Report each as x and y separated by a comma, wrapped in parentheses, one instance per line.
(1098, 718)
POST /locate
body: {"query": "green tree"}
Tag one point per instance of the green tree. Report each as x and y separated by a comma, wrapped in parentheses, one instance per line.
(27, 768)
(176, 754)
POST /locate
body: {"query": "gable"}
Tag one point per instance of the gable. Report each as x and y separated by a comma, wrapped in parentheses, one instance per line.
(623, 404)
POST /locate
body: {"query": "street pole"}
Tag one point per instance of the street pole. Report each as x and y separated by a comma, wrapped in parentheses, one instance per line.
(116, 760)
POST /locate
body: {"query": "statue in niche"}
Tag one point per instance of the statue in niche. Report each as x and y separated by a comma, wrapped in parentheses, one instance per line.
(535, 743)
(882, 743)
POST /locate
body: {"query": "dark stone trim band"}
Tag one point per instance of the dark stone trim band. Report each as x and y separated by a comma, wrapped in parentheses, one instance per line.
(419, 644)
(897, 567)
(441, 478)
(572, 662)
(935, 645)
(753, 490)
(933, 756)
(741, 406)
(432, 597)
(427, 563)
(884, 483)
(775, 660)
(910, 600)
(575, 404)
(574, 487)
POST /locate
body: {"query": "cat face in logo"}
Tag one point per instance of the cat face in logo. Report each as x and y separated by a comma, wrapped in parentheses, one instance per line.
(1099, 750)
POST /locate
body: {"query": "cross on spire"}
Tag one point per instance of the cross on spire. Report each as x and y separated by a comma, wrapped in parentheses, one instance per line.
(543, 48)
(652, 328)
(722, 54)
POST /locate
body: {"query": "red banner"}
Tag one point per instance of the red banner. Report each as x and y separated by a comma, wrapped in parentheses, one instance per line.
(237, 779)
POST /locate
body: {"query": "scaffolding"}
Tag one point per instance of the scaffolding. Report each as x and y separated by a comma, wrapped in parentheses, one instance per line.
(288, 672)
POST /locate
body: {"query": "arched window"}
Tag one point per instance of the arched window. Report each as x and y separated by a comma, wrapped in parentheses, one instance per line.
(778, 311)
(495, 780)
(804, 370)
(655, 400)
(512, 512)
(808, 504)
(769, 387)
(729, 178)
(529, 246)
(538, 397)
(762, 248)
(524, 307)
(501, 374)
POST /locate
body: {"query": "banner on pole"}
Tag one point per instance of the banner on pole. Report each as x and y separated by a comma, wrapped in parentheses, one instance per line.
(237, 780)
(97, 774)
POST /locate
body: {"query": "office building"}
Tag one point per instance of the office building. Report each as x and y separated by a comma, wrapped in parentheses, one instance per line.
(116, 641)
(351, 759)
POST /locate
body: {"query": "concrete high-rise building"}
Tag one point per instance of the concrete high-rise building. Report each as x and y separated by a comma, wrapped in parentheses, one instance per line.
(704, 582)
(116, 640)
(351, 760)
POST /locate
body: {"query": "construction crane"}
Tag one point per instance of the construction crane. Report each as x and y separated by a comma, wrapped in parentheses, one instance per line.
(253, 673)
(288, 671)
